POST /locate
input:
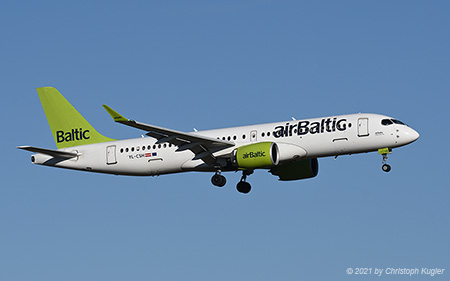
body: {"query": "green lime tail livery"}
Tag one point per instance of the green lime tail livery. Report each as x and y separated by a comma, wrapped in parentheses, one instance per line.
(288, 150)
(68, 127)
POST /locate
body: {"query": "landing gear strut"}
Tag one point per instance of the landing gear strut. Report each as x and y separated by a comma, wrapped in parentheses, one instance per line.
(384, 152)
(243, 186)
(218, 180)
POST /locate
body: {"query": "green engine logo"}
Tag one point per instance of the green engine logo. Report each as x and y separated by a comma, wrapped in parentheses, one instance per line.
(258, 155)
(254, 154)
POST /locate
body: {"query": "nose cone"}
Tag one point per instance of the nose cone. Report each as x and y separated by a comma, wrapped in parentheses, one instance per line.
(414, 135)
(410, 135)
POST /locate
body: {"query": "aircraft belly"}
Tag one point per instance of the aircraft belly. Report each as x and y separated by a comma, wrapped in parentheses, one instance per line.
(196, 165)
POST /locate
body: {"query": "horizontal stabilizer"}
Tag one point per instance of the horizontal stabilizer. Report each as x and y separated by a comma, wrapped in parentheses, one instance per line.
(51, 152)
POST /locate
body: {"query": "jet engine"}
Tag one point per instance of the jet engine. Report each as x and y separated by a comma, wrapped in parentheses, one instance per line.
(303, 169)
(257, 155)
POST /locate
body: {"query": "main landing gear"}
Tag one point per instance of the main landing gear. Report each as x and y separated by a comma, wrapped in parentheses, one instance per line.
(384, 152)
(218, 180)
(243, 186)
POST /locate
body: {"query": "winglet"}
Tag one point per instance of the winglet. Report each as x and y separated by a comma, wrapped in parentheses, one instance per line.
(116, 116)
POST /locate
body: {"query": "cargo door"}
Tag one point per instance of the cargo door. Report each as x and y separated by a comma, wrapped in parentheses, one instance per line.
(340, 145)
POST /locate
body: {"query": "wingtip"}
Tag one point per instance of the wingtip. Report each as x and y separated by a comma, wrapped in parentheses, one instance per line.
(114, 114)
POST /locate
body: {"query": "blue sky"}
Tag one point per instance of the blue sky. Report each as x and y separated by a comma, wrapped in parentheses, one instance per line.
(214, 64)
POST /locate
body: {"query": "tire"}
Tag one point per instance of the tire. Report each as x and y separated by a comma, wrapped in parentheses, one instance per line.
(218, 180)
(243, 187)
(386, 168)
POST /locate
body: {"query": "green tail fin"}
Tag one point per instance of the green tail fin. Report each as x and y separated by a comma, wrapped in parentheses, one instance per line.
(68, 127)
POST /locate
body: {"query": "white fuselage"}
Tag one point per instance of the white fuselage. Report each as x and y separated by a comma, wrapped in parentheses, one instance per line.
(317, 137)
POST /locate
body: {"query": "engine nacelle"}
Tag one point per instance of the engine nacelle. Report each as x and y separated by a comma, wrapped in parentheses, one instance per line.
(303, 169)
(257, 155)
(289, 152)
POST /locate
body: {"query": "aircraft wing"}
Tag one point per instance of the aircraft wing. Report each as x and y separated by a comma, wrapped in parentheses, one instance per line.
(200, 145)
(51, 152)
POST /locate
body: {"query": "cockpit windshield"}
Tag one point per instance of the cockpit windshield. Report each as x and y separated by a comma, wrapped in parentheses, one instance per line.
(387, 122)
(398, 122)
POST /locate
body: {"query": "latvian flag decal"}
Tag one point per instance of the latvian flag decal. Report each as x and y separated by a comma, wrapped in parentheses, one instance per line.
(150, 154)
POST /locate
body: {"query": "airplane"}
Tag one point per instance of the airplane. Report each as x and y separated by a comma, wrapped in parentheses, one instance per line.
(288, 150)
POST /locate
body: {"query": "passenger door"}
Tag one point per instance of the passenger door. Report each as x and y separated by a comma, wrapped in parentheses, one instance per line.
(111, 155)
(363, 127)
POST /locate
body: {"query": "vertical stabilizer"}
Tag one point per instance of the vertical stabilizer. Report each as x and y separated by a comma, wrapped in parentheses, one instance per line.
(68, 127)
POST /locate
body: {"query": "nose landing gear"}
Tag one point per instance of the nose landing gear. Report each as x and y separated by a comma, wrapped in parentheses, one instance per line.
(384, 152)
(386, 167)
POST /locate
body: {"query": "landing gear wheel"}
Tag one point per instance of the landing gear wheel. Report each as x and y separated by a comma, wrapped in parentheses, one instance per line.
(386, 167)
(243, 187)
(218, 180)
